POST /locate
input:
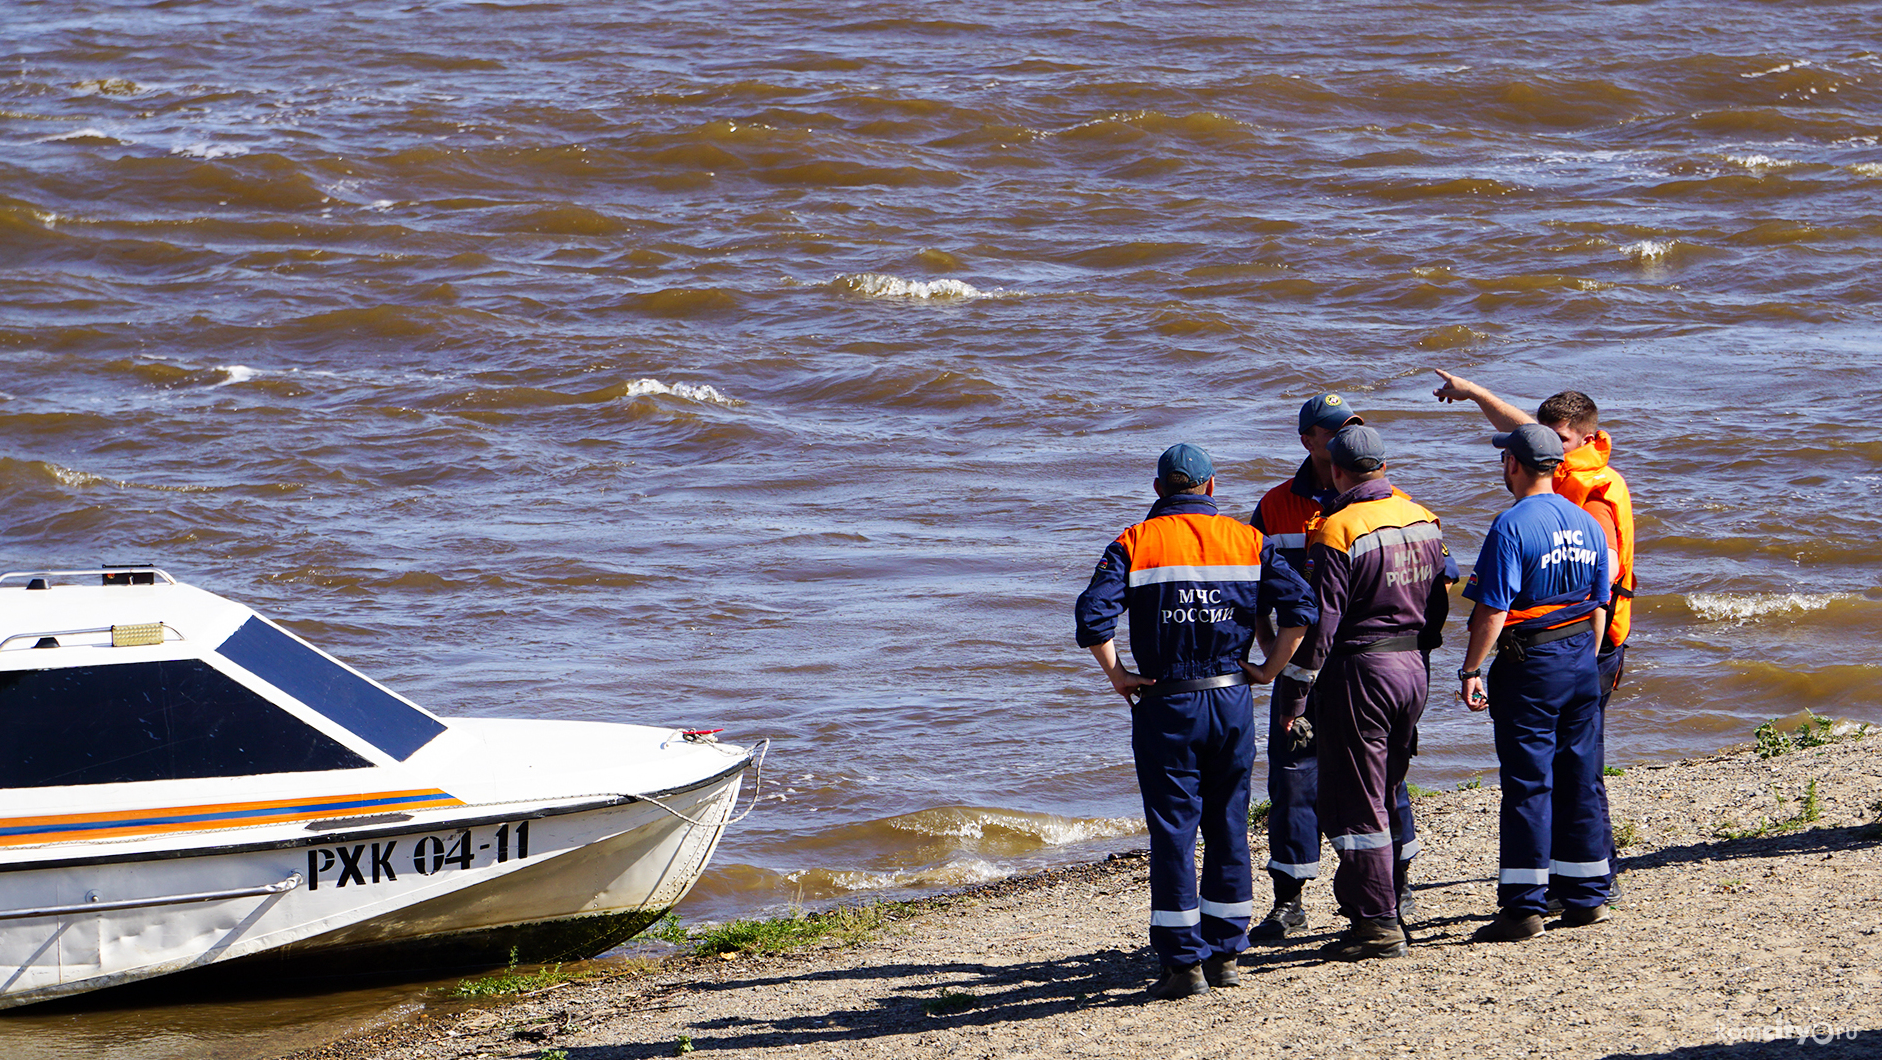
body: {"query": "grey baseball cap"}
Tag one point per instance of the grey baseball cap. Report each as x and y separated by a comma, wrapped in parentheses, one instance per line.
(1357, 448)
(1537, 447)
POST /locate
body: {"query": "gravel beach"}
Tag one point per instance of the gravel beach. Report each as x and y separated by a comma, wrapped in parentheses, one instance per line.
(1751, 917)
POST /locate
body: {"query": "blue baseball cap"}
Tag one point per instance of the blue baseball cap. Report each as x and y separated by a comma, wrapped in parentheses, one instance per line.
(1357, 448)
(1328, 410)
(1188, 459)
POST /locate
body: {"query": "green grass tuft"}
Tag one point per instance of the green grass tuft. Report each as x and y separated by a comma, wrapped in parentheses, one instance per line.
(1418, 792)
(510, 981)
(847, 925)
(950, 1002)
(1258, 811)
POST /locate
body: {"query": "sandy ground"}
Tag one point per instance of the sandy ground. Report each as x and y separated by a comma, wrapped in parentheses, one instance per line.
(1723, 938)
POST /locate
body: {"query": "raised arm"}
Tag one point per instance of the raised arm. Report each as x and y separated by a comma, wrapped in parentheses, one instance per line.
(1501, 414)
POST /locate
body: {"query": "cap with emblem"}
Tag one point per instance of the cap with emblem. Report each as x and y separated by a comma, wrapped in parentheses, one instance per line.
(1536, 447)
(1187, 460)
(1358, 449)
(1329, 411)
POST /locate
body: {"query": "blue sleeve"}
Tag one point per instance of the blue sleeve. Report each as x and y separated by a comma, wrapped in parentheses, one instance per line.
(1103, 600)
(1254, 520)
(1603, 591)
(1498, 577)
(1284, 591)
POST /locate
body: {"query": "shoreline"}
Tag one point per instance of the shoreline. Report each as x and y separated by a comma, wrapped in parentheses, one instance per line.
(1751, 910)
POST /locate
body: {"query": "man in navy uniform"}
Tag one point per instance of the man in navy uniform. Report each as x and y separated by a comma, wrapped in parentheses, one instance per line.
(1293, 768)
(1541, 588)
(1192, 581)
(1377, 563)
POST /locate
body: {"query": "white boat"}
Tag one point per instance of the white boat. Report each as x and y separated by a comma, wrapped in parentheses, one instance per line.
(185, 784)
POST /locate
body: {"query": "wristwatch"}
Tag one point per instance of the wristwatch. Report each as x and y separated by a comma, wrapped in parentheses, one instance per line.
(1465, 675)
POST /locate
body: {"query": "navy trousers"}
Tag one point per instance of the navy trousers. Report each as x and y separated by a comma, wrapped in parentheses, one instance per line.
(1195, 752)
(1369, 709)
(1555, 839)
(1608, 667)
(1293, 794)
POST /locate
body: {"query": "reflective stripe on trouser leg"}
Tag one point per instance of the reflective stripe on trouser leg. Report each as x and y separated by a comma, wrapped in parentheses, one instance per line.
(1544, 710)
(1368, 706)
(1194, 752)
(1293, 784)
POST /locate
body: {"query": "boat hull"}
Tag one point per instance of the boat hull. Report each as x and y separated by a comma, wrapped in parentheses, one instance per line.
(547, 884)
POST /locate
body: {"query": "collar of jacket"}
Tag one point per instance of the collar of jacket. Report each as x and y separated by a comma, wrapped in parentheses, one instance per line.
(1183, 503)
(1375, 490)
(1307, 484)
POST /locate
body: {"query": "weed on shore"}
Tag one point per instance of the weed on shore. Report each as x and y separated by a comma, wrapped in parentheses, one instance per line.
(511, 981)
(1816, 731)
(847, 925)
(1810, 812)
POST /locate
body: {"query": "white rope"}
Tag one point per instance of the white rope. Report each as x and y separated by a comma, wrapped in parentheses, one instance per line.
(764, 747)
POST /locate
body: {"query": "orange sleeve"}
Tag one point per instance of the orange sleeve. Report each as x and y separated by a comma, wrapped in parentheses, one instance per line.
(1603, 513)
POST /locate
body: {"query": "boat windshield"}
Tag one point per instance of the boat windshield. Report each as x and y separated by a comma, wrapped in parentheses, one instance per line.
(174, 720)
(375, 715)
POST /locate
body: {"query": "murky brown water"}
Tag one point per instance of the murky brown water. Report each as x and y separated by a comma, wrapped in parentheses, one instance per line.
(787, 370)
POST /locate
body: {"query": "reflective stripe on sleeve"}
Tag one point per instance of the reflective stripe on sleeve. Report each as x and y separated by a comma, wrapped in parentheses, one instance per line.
(1232, 573)
(1363, 841)
(1306, 871)
(1295, 673)
(1288, 540)
(1175, 917)
(1524, 876)
(1579, 869)
(1394, 535)
(1225, 910)
(1410, 850)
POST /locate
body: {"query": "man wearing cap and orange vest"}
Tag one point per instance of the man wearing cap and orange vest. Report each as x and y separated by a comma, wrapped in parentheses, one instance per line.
(1377, 563)
(1585, 479)
(1541, 588)
(1192, 581)
(1293, 770)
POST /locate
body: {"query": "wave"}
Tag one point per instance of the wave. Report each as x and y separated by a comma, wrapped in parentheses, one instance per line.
(523, 397)
(85, 135)
(1744, 607)
(883, 286)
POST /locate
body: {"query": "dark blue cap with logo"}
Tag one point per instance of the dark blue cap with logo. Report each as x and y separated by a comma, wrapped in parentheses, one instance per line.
(1188, 459)
(1329, 411)
(1357, 448)
(1537, 447)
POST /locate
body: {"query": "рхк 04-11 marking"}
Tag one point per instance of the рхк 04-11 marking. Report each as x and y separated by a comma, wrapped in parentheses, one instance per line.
(430, 854)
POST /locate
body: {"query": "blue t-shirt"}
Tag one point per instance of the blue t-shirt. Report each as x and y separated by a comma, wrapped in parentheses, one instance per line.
(1544, 549)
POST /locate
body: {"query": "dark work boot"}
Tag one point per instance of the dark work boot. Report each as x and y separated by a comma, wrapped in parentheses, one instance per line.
(1510, 927)
(1286, 918)
(1180, 983)
(1222, 970)
(1367, 938)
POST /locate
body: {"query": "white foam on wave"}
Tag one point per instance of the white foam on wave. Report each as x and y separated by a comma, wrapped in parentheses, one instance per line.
(962, 873)
(1867, 169)
(1759, 162)
(87, 133)
(689, 391)
(206, 150)
(1650, 249)
(237, 373)
(882, 285)
(1047, 830)
(1781, 68)
(1743, 607)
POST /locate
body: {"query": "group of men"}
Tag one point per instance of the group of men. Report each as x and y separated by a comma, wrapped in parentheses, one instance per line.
(1341, 583)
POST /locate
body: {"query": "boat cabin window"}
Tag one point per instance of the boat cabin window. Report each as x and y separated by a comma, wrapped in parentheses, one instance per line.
(172, 720)
(364, 708)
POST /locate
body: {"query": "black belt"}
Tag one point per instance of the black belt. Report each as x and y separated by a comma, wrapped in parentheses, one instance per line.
(1408, 642)
(1195, 684)
(1518, 639)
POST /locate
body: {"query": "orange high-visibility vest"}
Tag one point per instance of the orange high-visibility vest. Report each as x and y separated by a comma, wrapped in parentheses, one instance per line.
(1584, 478)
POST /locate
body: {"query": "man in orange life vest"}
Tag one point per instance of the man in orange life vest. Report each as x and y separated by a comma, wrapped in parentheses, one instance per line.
(1585, 479)
(1192, 582)
(1293, 766)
